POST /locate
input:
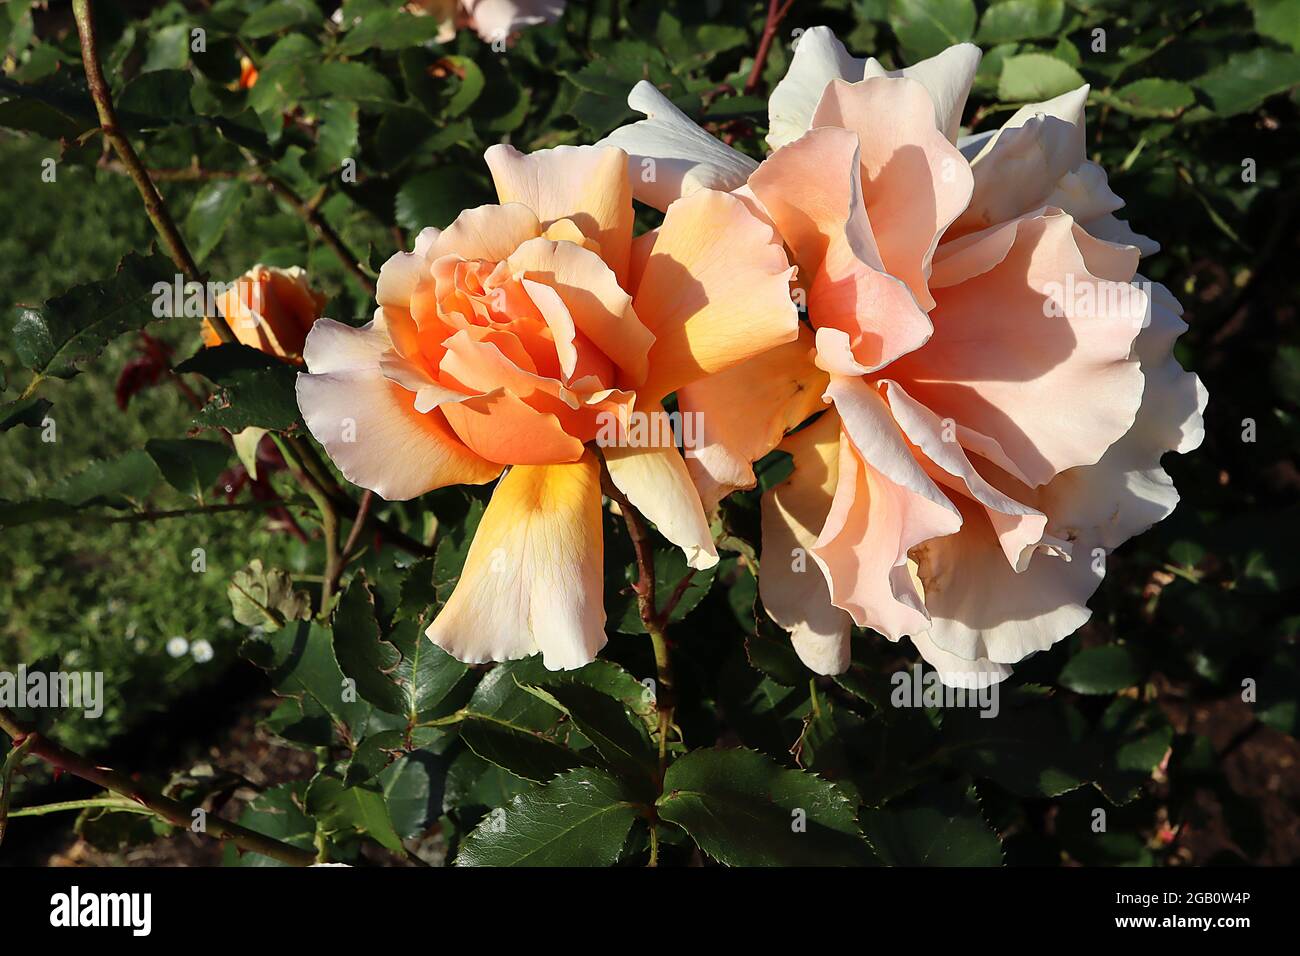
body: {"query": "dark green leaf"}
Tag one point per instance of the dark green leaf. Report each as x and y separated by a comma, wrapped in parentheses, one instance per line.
(190, 465)
(581, 818)
(258, 390)
(744, 810)
(1101, 670)
(523, 752)
(214, 209)
(1030, 77)
(939, 825)
(57, 337)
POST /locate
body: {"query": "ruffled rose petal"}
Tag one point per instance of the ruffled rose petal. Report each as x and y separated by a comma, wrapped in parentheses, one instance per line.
(884, 505)
(1020, 528)
(914, 182)
(669, 156)
(745, 411)
(981, 608)
(1127, 491)
(1037, 158)
(956, 672)
(586, 184)
(812, 191)
(488, 232)
(655, 480)
(595, 301)
(715, 291)
(1051, 390)
(793, 588)
(533, 577)
(369, 425)
(947, 77)
(819, 57)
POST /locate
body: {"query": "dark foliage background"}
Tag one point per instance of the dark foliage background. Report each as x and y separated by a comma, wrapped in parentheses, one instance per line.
(1193, 113)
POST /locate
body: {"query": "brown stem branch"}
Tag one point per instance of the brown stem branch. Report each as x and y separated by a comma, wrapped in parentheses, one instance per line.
(154, 205)
(776, 12)
(173, 811)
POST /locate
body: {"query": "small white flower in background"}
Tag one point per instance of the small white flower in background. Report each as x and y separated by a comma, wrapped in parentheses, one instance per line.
(178, 647)
(201, 651)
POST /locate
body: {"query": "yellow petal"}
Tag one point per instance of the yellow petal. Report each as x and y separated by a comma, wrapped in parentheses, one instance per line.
(534, 574)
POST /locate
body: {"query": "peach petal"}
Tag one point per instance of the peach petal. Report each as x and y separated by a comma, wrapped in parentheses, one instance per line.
(745, 411)
(369, 425)
(914, 182)
(812, 190)
(489, 232)
(586, 184)
(884, 505)
(982, 609)
(682, 157)
(715, 291)
(819, 58)
(794, 590)
(598, 306)
(502, 428)
(947, 77)
(655, 480)
(1006, 363)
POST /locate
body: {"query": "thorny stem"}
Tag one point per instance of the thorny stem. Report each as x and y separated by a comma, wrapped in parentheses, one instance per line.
(776, 12)
(656, 625)
(173, 811)
(153, 202)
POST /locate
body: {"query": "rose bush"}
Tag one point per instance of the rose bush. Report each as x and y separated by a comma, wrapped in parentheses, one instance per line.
(648, 433)
(1003, 387)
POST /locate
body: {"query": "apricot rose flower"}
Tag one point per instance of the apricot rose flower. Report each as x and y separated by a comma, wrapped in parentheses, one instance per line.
(507, 341)
(1000, 379)
(269, 309)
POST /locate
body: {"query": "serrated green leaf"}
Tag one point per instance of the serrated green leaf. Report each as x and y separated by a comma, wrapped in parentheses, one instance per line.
(360, 809)
(275, 812)
(361, 651)
(280, 15)
(257, 390)
(743, 809)
(57, 337)
(525, 753)
(1009, 20)
(265, 597)
(938, 825)
(1248, 78)
(437, 197)
(581, 818)
(927, 27)
(619, 738)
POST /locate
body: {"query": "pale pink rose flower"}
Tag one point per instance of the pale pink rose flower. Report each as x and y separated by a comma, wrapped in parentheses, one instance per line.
(1001, 380)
